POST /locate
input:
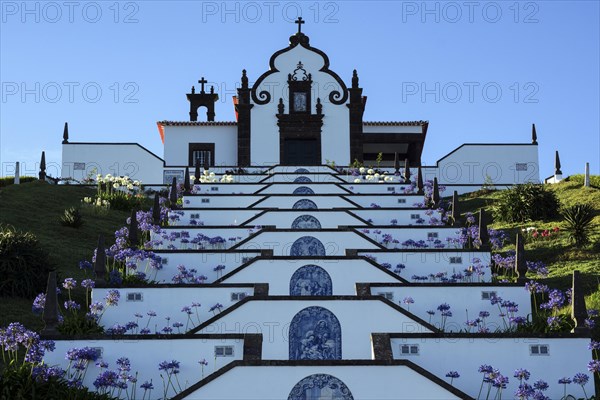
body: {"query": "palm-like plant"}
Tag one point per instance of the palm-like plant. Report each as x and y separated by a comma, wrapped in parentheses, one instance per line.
(578, 220)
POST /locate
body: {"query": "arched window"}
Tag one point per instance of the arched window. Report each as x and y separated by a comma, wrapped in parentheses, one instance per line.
(320, 387)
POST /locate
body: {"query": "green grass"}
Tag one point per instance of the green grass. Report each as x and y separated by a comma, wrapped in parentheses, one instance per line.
(561, 257)
(37, 207)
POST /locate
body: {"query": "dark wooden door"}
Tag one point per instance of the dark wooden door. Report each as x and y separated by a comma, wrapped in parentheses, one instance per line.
(301, 152)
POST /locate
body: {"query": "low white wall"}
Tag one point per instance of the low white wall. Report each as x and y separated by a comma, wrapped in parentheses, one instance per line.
(204, 262)
(232, 235)
(317, 188)
(423, 264)
(226, 188)
(165, 304)
(465, 301)
(327, 219)
(421, 233)
(566, 357)
(277, 273)
(385, 216)
(208, 217)
(322, 202)
(393, 382)
(498, 163)
(335, 243)
(145, 356)
(291, 177)
(272, 318)
(292, 169)
(80, 160)
(371, 188)
(386, 201)
(233, 201)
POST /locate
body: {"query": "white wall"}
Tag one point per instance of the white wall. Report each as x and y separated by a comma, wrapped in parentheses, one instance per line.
(424, 263)
(471, 163)
(204, 262)
(210, 217)
(277, 273)
(335, 243)
(416, 234)
(317, 188)
(145, 356)
(165, 304)
(116, 159)
(335, 136)
(465, 302)
(322, 202)
(393, 382)
(290, 177)
(177, 139)
(385, 216)
(272, 318)
(328, 219)
(566, 357)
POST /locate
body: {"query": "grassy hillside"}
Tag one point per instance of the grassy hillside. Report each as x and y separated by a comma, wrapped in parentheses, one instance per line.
(557, 253)
(37, 207)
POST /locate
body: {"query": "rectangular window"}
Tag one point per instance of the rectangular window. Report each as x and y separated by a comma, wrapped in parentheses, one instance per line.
(539, 350)
(194, 216)
(214, 188)
(201, 154)
(79, 166)
(387, 295)
(164, 260)
(521, 166)
(455, 260)
(205, 200)
(223, 351)
(401, 201)
(415, 216)
(409, 349)
(237, 296)
(432, 235)
(134, 296)
(487, 295)
(390, 189)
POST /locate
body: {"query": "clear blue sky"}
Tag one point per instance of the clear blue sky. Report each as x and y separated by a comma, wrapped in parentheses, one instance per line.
(144, 56)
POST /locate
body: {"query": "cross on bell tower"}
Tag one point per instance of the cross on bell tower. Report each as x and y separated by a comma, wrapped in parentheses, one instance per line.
(202, 99)
(202, 81)
(300, 22)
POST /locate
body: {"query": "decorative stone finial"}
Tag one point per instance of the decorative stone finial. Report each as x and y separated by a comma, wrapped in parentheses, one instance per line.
(42, 173)
(197, 173)
(187, 188)
(319, 106)
(193, 89)
(484, 236)
(578, 309)
(280, 106)
(206, 164)
(533, 135)
(244, 80)
(299, 37)
(406, 171)
(520, 264)
(66, 134)
(455, 211)
(420, 186)
(557, 170)
(156, 210)
(354, 79)
(133, 229)
(51, 306)
(17, 180)
(396, 163)
(173, 194)
(435, 196)
(100, 263)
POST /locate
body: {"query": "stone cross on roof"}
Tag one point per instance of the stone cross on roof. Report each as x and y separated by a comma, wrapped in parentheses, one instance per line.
(202, 81)
(299, 21)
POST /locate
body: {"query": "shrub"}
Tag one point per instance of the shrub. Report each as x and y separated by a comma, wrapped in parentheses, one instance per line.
(525, 202)
(24, 265)
(9, 180)
(71, 217)
(578, 221)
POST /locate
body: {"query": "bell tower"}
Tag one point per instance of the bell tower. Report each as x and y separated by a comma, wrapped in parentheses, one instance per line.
(202, 99)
